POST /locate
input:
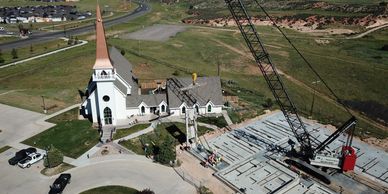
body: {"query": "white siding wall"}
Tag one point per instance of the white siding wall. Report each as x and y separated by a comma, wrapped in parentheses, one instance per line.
(132, 111)
(120, 104)
(107, 88)
(94, 107)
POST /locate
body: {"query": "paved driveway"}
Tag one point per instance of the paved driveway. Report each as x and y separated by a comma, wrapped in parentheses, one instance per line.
(131, 172)
(18, 124)
(126, 170)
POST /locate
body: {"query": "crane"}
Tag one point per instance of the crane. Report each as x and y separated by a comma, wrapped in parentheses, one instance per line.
(310, 150)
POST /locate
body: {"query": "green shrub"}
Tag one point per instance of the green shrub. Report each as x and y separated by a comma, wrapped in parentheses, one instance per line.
(54, 157)
(204, 190)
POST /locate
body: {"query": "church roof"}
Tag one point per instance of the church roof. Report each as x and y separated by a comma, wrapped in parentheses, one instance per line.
(150, 100)
(102, 55)
(210, 90)
(123, 68)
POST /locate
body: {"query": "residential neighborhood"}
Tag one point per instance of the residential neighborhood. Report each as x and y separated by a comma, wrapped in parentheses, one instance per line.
(49, 13)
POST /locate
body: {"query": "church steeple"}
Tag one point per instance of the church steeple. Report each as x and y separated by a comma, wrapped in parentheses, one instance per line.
(102, 55)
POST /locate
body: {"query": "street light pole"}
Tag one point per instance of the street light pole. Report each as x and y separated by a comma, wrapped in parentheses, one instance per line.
(312, 103)
(44, 105)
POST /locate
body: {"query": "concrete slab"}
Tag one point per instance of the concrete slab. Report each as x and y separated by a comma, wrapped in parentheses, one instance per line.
(247, 148)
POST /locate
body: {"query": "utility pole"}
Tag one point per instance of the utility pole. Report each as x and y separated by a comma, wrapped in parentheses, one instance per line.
(44, 106)
(312, 103)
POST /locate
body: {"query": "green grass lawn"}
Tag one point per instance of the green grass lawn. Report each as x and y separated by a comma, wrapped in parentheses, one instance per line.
(174, 130)
(32, 50)
(7, 39)
(70, 115)
(72, 138)
(5, 148)
(111, 190)
(56, 170)
(217, 121)
(125, 132)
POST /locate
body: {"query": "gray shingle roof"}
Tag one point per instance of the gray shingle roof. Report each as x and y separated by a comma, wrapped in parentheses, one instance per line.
(149, 100)
(121, 86)
(209, 90)
(123, 68)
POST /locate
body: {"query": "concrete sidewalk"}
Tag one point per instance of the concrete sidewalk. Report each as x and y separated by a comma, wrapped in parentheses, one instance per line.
(139, 133)
(227, 118)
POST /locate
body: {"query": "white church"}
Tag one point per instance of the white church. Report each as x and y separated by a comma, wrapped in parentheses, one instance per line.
(113, 95)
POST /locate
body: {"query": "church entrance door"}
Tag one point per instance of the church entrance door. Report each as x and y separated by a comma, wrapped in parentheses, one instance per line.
(107, 116)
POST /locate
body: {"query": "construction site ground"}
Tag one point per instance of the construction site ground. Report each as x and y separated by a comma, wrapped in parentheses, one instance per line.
(251, 167)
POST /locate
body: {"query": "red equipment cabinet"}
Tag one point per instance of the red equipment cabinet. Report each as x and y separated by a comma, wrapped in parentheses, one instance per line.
(349, 158)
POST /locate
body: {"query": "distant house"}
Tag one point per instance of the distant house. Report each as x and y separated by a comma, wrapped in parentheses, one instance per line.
(50, 13)
(113, 93)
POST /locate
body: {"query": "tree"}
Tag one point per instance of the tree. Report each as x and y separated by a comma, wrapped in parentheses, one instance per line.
(122, 52)
(204, 190)
(268, 103)
(31, 49)
(166, 152)
(1, 59)
(176, 73)
(385, 47)
(14, 54)
(76, 41)
(70, 41)
(54, 157)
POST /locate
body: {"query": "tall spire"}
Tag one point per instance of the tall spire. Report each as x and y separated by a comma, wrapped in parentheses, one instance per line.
(102, 55)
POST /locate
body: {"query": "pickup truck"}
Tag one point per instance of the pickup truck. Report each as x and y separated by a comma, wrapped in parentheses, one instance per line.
(31, 159)
(60, 183)
(21, 155)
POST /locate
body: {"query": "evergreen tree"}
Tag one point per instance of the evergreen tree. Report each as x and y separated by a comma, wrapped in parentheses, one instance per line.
(14, 54)
(166, 151)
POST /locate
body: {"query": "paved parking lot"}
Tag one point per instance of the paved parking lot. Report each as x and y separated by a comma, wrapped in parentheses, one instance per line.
(18, 124)
(158, 32)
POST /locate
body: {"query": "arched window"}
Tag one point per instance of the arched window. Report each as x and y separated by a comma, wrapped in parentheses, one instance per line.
(163, 108)
(104, 73)
(184, 110)
(209, 108)
(142, 109)
(108, 116)
(196, 109)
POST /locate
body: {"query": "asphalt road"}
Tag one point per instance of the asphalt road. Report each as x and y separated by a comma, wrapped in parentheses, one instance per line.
(47, 36)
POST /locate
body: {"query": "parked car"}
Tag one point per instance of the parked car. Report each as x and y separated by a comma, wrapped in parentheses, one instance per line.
(21, 155)
(31, 159)
(60, 183)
